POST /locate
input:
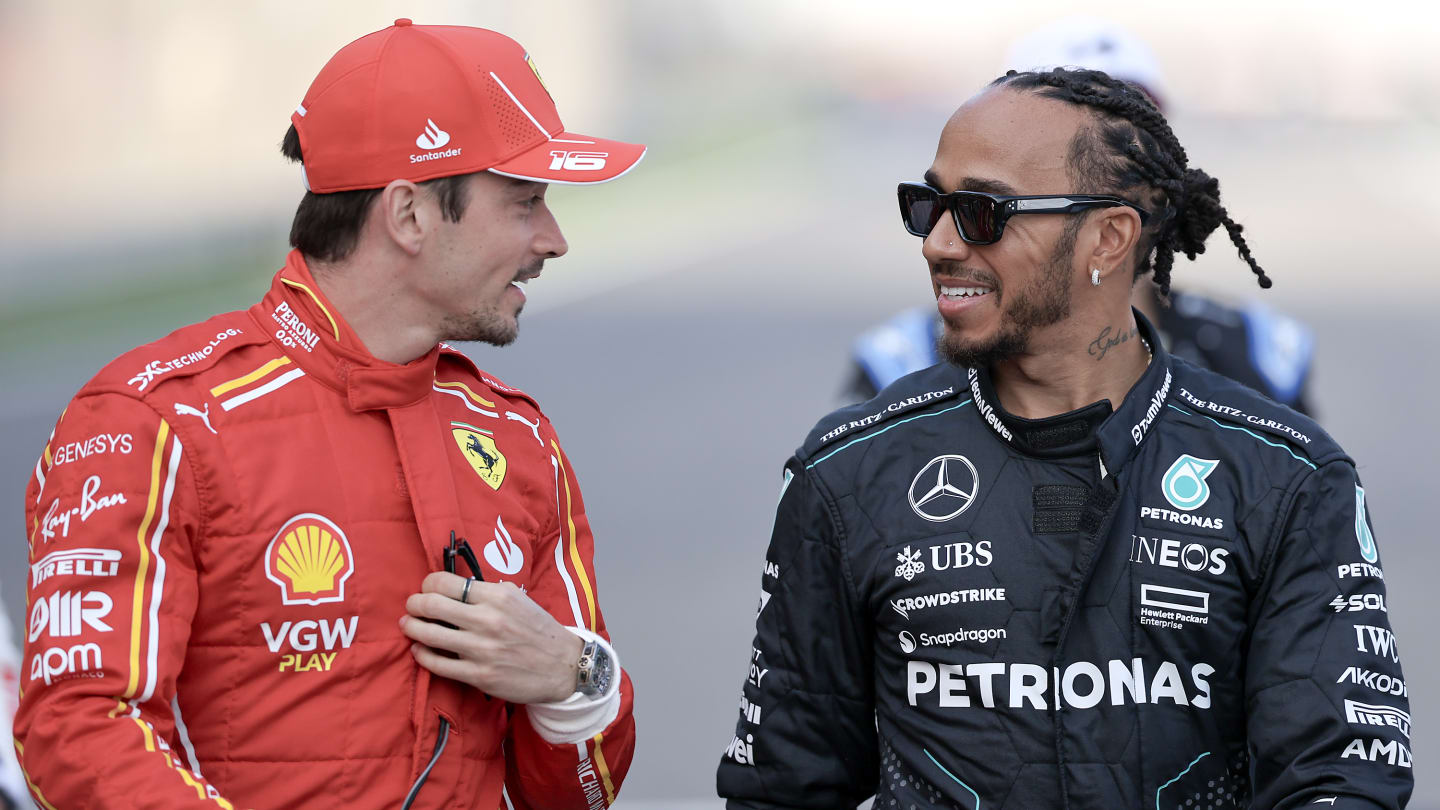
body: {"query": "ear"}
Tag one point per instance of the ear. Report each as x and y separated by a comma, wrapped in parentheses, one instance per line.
(1115, 231)
(401, 216)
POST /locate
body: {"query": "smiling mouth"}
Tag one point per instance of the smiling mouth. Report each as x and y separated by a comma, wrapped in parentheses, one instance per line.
(962, 293)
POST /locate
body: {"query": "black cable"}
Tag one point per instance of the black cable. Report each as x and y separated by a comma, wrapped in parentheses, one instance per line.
(440, 740)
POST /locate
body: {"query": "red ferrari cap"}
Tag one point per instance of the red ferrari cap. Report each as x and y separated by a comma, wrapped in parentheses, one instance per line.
(425, 101)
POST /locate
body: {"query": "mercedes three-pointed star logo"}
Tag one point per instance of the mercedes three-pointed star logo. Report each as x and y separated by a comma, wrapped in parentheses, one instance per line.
(944, 488)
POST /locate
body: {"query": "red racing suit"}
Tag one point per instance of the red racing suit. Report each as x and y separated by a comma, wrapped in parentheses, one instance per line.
(224, 527)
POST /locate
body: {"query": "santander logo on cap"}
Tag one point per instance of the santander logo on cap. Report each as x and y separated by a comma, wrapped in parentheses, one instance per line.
(433, 137)
(359, 121)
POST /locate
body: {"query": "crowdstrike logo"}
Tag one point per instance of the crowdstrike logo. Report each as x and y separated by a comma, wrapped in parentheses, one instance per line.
(433, 137)
(944, 488)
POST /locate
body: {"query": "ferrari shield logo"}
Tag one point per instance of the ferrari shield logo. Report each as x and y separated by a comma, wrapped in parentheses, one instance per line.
(478, 447)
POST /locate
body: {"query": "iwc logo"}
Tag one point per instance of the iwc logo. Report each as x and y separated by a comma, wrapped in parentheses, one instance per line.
(944, 488)
(1184, 483)
(310, 559)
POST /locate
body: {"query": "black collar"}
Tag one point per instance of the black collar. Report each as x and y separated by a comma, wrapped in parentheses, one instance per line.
(1114, 432)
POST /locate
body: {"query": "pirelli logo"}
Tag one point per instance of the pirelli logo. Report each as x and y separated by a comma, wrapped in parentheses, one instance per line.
(1373, 714)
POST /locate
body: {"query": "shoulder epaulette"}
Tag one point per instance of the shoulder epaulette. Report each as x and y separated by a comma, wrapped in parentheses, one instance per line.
(914, 392)
(1226, 401)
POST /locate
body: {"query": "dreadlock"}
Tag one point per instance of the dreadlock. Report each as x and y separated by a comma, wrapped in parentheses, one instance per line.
(1132, 152)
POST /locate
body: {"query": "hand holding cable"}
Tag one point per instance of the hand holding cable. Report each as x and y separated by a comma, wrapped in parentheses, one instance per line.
(503, 643)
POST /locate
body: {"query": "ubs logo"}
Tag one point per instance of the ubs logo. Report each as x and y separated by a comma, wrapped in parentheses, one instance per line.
(944, 488)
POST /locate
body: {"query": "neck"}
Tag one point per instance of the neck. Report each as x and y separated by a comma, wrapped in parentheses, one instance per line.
(370, 299)
(1072, 365)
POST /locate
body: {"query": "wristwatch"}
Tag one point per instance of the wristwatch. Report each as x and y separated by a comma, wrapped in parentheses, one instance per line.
(596, 669)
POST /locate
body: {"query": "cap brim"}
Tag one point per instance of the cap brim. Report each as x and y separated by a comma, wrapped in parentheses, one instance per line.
(573, 159)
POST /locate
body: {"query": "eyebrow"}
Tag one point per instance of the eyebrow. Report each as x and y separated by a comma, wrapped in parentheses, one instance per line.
(972, 184)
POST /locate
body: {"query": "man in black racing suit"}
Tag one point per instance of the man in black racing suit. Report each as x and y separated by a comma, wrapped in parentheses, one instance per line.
(1037, 578)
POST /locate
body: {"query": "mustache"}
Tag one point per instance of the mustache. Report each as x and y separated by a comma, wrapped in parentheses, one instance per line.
(965, 275)
(532, 269)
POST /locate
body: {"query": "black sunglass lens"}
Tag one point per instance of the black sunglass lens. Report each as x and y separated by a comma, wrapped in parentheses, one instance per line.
(920, 209)
(977, 218)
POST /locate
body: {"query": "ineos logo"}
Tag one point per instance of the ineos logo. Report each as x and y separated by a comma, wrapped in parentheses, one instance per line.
(944, 488)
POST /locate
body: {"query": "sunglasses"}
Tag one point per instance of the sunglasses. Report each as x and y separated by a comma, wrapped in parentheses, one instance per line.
(980, 218)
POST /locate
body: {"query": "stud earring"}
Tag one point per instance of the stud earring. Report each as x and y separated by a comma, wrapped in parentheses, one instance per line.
(950, 244)
(1095, 276)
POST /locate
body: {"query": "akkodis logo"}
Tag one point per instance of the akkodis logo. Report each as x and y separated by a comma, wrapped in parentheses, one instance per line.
(310, 559)
(1184, 483)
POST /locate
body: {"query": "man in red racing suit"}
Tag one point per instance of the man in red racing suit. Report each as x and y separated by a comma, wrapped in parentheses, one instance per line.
(235, 534)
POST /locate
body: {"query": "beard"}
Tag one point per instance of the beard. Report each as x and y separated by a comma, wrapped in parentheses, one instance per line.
(1043, 302)
(487, 325)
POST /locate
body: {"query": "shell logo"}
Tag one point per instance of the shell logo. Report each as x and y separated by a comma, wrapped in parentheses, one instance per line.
(310, 559)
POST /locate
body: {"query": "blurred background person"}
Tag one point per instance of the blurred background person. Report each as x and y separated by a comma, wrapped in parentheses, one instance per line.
(1251, 344)
(12, 782)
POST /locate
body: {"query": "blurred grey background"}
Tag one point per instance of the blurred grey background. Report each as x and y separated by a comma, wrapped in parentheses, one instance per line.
(701, 322)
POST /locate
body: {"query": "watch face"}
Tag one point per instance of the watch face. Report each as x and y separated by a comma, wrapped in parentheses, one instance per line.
(600, 672)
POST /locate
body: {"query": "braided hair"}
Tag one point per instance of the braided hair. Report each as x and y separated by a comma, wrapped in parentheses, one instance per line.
(1132, 152)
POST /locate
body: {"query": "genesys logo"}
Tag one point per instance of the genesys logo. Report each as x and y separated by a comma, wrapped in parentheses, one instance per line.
(81, 562)
(1081, 685)
(96, 445)
(66, 614)
(310, 559)
(1167, 553)
(310, 646)
(903, 605)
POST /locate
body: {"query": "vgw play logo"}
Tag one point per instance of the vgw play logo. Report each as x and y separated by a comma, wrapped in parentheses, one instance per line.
(1184, 483)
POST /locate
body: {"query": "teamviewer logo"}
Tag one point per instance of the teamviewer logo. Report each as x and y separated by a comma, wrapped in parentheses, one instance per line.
(433, 137)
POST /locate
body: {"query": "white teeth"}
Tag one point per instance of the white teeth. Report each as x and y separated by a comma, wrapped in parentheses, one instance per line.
(963, 292)
(518, 285)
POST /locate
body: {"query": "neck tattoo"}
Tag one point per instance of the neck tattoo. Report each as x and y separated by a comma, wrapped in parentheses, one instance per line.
(1109, 338)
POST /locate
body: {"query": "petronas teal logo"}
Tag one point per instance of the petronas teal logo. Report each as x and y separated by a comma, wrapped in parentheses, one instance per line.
(1184, 483)
(1362, 529)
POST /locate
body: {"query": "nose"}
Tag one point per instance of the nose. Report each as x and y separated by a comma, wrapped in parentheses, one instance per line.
(549, 241)
(944, 243)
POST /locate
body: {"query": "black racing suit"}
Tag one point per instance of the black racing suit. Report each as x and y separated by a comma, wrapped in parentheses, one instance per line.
(1177, 604)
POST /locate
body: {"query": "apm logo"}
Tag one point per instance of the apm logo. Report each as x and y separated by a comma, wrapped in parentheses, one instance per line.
(1184, 483)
